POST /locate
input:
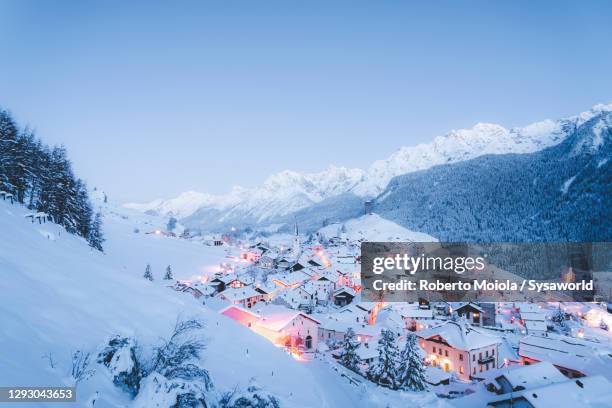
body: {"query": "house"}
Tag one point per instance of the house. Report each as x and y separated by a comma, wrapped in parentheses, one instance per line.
(224, 281)
(326, 284)
(534, 322)
(588, 392)
(300, 297)
(290, 280)
(366, 353)
(282, 263)
(265, 262)
(573, 357)
(289, 328)
(333, 329)
(243, 316)
(456, 346)
(245, 296)
(471, 312)
(521, 377)
(268, 291)
(343, 296)
(411, 315)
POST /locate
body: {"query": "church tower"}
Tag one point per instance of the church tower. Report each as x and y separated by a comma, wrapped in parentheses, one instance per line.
(296, 241)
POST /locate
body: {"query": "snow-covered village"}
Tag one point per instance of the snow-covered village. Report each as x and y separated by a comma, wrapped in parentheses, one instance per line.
(305, 204)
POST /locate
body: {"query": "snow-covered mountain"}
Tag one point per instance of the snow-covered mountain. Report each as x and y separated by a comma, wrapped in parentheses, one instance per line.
(561, 193)
(288, 192)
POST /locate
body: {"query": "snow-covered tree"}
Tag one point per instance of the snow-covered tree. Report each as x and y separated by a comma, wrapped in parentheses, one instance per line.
(253, 397)
(349, 357)
(559, 317)
(384, 370)
(411, 371)
(96, 238)
(168, 275)
(42, 178)
(148, 274)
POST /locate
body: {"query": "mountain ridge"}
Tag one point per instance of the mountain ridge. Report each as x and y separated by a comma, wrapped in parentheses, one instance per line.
(289, 192)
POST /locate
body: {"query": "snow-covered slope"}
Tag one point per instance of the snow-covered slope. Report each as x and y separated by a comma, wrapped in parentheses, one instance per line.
(374, 228)
(286, 192)
(58, 296)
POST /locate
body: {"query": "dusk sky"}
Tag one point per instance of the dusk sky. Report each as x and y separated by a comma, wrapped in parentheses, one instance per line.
(155, 98)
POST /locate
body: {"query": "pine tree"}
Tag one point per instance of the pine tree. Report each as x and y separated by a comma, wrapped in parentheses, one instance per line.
(349, 357)
(148, 274)
(168, 275)
(411, 371)
(171, 224)
(384, 370)
(42, 178)
(96, 238)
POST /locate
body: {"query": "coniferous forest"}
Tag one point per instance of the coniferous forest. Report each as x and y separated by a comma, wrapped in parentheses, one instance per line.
(41, 178)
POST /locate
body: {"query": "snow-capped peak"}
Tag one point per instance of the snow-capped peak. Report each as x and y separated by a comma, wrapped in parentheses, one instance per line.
(288, 191)
(185, 204)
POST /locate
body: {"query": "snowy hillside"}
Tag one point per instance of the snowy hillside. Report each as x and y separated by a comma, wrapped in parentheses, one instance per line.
(59, 296)
(287, 192)
(372, 227)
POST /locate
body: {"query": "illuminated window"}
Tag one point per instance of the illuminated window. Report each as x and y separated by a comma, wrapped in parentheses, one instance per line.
(461, 370)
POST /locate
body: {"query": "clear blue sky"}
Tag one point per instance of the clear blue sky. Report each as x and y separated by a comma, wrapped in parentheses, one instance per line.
(154, 98)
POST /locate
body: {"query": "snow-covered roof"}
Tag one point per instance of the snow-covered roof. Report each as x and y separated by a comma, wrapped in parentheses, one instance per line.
(460, 335)
(584, 356)
(340, 326)
(469, 305)
(520, 377)
(232, 308)
(535, 325)
(290, 279)
(415, 313)
(345, 289)
(436, 375)
(238, 294)
(276, 317)
(529, 308)
(539, 316)
(586, 392)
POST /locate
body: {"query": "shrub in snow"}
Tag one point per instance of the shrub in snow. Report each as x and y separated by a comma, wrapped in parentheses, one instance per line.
(119, 356)
(411, 371)
(80, 370)
(384, 370)
(349, 357)
(175, 373)
(252, 397)
(158, 391)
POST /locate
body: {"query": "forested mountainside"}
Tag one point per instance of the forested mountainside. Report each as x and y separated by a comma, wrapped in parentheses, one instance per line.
(42, 178)
(562, 193)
